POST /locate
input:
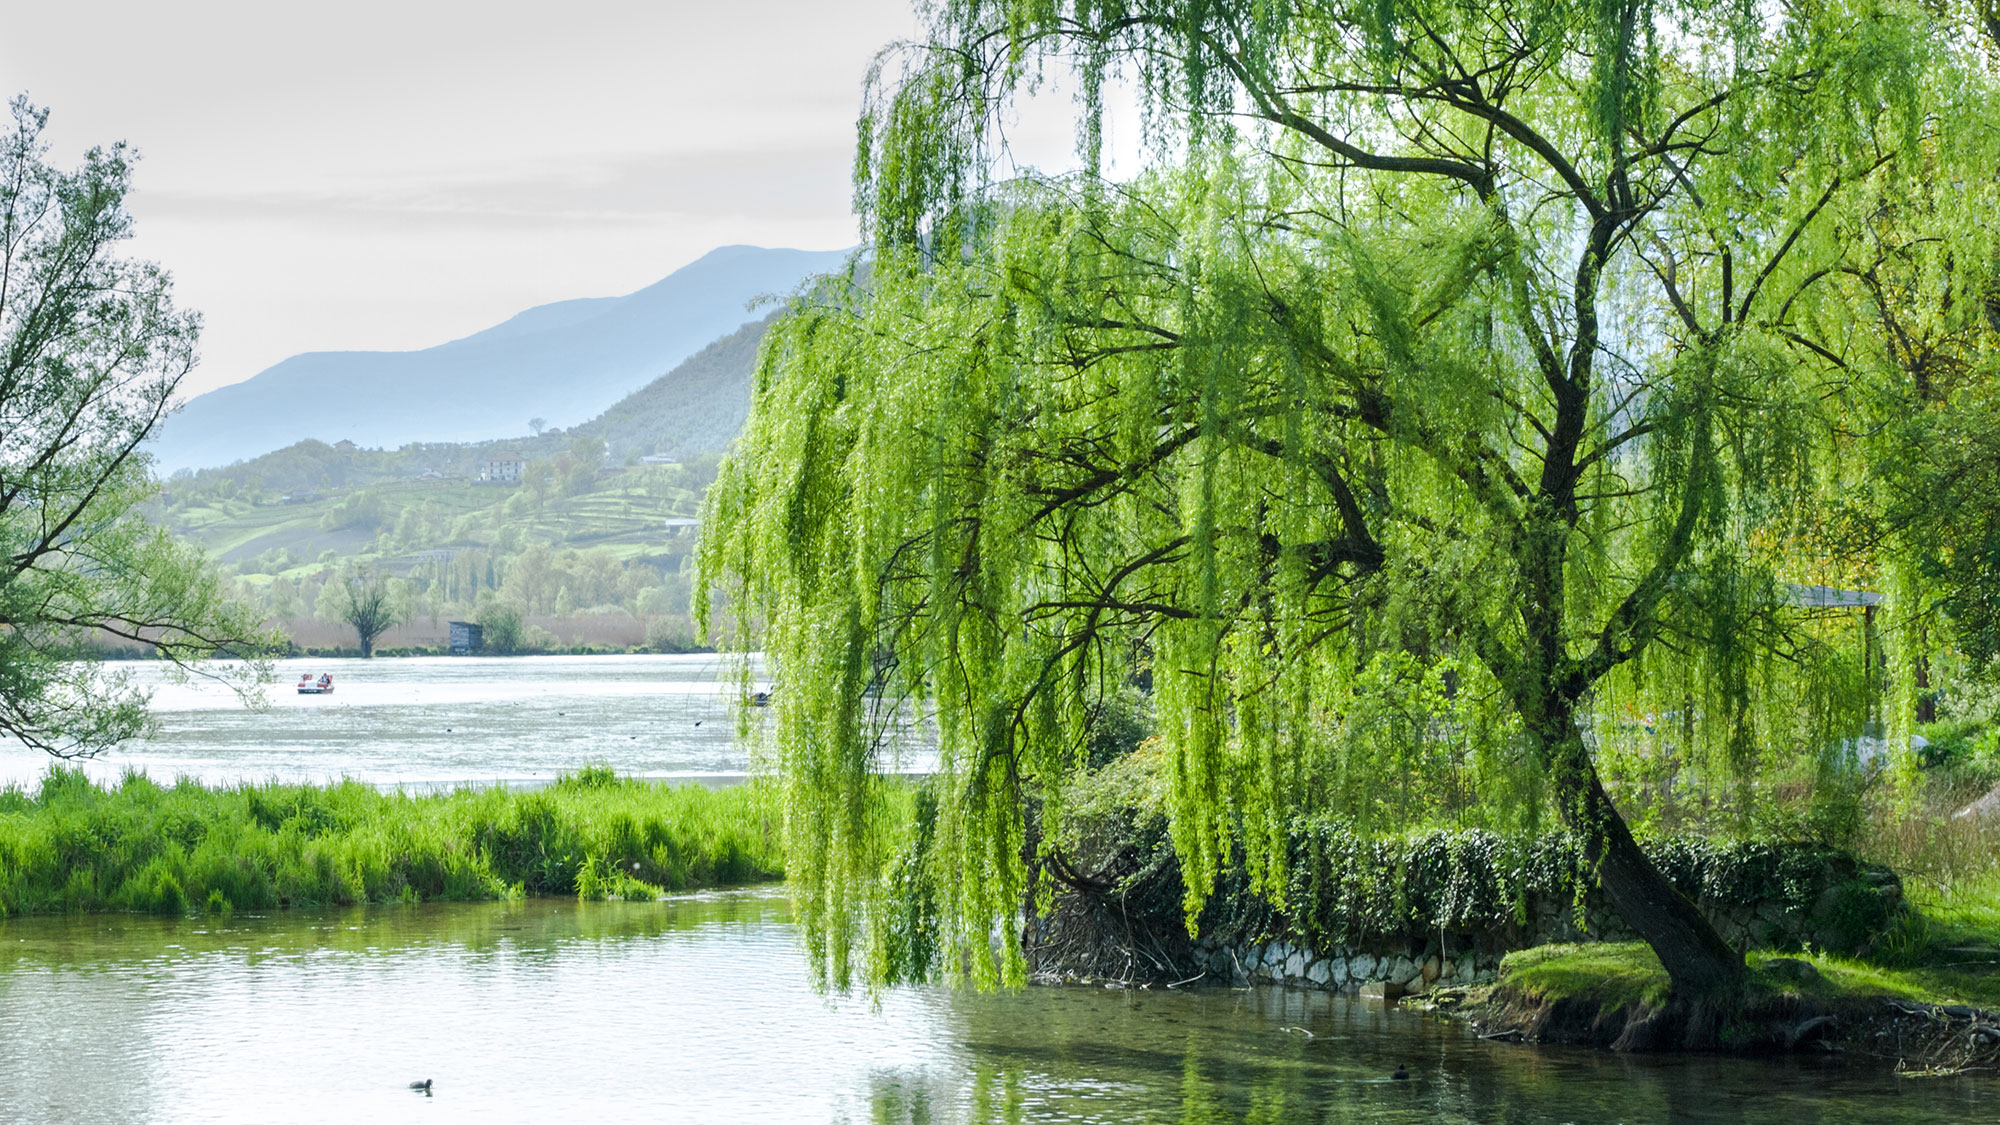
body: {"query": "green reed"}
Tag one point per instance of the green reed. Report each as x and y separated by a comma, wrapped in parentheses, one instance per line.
(72, 845)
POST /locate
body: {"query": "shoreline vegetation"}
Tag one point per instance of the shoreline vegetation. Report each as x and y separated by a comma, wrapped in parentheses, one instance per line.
(1882, 945)
(1931, 1018)
(73, 846)
(1926, 999)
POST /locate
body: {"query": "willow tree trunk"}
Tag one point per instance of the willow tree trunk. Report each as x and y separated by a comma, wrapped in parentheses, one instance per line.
(1702, 967)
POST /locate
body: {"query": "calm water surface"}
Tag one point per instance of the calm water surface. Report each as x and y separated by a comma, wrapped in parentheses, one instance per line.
(429, 721)
(697, 1009)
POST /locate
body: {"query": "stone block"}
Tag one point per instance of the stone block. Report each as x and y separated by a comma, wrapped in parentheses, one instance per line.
(1432, 969)
(1320, 972)
(1361, 967)
(1791, 969)
(1295, 965)
(1382, 991)
(1776, 916)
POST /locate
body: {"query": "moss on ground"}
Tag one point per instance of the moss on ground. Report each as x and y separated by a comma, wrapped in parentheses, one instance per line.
(1610, 974)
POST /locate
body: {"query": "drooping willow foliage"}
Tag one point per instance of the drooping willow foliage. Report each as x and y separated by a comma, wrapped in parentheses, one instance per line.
(1440, 409)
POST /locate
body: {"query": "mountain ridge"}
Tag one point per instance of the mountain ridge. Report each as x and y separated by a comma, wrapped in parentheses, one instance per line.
(567, 361)
(695, 409)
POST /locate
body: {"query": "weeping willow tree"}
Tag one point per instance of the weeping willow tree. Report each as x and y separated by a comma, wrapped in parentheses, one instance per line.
(1489, 336)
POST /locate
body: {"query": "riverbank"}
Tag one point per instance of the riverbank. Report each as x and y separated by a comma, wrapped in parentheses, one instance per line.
(1932, 1019)
(72, 845)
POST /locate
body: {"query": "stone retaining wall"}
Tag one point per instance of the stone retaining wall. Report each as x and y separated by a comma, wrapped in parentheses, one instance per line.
(1410, 967)
(1762, 897)
(1348, 970)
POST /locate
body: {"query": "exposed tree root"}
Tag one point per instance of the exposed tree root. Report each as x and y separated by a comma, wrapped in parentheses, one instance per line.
(1916, 1039)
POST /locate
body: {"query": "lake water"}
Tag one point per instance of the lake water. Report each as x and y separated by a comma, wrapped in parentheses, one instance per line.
(433, 721)
(697, 1009)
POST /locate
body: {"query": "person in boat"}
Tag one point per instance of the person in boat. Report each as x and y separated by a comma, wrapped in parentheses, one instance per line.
(326, 679)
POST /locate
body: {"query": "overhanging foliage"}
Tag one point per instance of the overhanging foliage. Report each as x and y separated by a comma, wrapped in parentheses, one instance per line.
(1492, 347)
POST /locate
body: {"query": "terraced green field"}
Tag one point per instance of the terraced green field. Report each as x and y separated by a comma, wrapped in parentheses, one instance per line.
(621, 513)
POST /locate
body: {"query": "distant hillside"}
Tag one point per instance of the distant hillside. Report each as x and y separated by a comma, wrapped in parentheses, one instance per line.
(564, 362)
(698, 407)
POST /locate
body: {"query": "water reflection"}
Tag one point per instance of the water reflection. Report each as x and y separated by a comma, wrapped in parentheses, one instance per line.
(697, 1009)
(1274, 1055)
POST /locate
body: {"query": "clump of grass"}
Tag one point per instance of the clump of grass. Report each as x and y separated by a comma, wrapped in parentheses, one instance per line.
(1950, 866)
(1608, 974)
(1944, 858)
(72, 845)
(1846, 978)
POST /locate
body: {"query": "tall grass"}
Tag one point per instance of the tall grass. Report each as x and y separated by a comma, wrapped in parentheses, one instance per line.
(1950, 866)
(72, 845)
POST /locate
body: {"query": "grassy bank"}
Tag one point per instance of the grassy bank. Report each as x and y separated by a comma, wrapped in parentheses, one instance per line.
(1616, 974)
(1931, 1017)
(72, 845)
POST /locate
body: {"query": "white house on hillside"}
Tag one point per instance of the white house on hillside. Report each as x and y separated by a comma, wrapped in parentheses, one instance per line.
(504, 468)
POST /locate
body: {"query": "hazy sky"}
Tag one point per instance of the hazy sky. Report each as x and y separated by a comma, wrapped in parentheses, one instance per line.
(393, 175)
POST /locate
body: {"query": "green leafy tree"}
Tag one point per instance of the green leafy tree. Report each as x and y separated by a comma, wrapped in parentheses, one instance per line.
(1941, 468)
(532, 578)
(503, 624)
(281, 599)
(1491, 334)
(368, 601)
(538, 479)
(91, 353)
(578, 466)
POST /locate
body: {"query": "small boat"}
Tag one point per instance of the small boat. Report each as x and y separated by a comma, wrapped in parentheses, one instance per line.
(321, 686)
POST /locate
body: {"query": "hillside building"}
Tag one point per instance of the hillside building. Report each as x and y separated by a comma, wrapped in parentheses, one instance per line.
(502, 469)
